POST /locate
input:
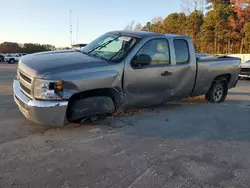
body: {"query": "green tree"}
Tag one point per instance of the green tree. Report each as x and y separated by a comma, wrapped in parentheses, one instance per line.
(157, 28)
(147, 27)
(216, 30)
(224, 28)
(206, 37)
(175, 23)
(239, 22)
(247, 37)
(193, 26)
(10, 47)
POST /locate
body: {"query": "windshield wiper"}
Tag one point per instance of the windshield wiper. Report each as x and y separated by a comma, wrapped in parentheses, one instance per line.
(110, 59)
(103, 45)
(98, 56)
(125, 48)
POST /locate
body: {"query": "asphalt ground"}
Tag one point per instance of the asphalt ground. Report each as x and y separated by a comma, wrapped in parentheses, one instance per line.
(187, 143)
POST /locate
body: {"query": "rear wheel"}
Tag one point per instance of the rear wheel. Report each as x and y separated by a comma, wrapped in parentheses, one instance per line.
(218, 92)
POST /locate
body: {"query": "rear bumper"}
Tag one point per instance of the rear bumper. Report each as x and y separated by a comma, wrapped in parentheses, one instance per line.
(51, 113)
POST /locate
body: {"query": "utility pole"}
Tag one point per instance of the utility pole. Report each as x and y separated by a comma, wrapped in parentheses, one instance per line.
(70, 28)
(77, 30)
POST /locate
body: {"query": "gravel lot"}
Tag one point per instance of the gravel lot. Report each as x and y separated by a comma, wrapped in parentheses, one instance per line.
(183, 144)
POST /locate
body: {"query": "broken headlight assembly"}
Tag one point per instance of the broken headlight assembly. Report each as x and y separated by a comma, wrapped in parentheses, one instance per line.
(48, 89)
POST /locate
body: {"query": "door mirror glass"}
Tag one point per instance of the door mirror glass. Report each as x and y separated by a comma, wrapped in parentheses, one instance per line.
(141, 60)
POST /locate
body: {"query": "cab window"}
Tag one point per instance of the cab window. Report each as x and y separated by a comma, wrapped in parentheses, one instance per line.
(158, 50)
(181, 51)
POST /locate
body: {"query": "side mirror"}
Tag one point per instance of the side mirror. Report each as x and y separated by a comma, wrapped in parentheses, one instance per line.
(141, 60)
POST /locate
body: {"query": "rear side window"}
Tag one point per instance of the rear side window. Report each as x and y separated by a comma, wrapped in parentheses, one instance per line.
(181, 51)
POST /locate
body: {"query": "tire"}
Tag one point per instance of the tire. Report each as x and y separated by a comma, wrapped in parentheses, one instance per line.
(90, 109)
(11, 61)
(218, 92)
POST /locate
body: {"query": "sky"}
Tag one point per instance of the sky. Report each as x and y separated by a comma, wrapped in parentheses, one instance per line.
(47, 21)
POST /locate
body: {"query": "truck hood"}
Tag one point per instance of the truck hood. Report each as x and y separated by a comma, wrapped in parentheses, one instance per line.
(39, 64)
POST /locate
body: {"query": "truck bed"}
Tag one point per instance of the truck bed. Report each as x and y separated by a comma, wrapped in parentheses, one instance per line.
(209, 67)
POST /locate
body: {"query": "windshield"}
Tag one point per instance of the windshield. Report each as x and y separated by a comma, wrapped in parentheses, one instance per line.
(113, 47)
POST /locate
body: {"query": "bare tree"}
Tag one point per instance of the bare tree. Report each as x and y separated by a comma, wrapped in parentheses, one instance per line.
(130, 26)
(138, 27)
(157, 20)
(189, 6)
(133, 27)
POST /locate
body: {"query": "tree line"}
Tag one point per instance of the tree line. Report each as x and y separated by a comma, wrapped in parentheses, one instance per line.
(223, 27)
(13, 47)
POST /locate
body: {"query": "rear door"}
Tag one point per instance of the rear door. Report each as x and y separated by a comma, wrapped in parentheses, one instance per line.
(183, 68)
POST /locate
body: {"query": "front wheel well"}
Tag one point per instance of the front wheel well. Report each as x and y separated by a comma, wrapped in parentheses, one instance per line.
(108, 92)
(78, 101)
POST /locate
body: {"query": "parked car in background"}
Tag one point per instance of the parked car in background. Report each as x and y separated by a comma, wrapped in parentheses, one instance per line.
(245, 70)
(12, 58)
(119, 70)
(21, 54)
(79, 46)
(1, 58)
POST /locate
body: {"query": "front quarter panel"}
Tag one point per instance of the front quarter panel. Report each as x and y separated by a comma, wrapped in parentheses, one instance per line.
(78, 81)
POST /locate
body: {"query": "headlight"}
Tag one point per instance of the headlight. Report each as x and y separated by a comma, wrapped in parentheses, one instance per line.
(48, 89)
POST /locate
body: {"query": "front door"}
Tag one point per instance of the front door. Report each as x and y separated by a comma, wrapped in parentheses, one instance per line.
(150, 84)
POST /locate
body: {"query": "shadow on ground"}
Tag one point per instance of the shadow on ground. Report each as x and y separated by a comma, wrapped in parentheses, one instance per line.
(240, 93)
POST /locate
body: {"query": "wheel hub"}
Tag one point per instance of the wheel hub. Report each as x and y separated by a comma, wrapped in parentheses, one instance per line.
(218, 93)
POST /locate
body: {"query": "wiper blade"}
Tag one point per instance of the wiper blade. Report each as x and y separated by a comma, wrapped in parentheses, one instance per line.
(98, 56)
(83, 52)
(110, 59)
(103, 45)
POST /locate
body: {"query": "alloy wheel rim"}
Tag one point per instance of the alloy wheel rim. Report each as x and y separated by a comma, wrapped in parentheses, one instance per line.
(218, 93)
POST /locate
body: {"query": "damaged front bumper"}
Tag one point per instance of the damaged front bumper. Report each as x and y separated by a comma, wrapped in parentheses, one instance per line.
(51, 113)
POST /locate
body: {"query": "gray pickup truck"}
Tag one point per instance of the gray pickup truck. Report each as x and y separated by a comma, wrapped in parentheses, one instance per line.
(117, 71)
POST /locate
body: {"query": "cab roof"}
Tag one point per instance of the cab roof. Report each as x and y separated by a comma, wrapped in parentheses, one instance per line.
(142, 34)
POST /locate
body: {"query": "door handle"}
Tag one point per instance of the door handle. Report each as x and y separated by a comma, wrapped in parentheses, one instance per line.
(166, 73)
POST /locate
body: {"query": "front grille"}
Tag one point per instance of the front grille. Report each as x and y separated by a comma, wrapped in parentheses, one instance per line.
(25, 84)
(25, 89)
(26, 78)
(245, 70)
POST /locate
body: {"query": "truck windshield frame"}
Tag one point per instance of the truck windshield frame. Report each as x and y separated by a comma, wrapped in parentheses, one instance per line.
(111, 47)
